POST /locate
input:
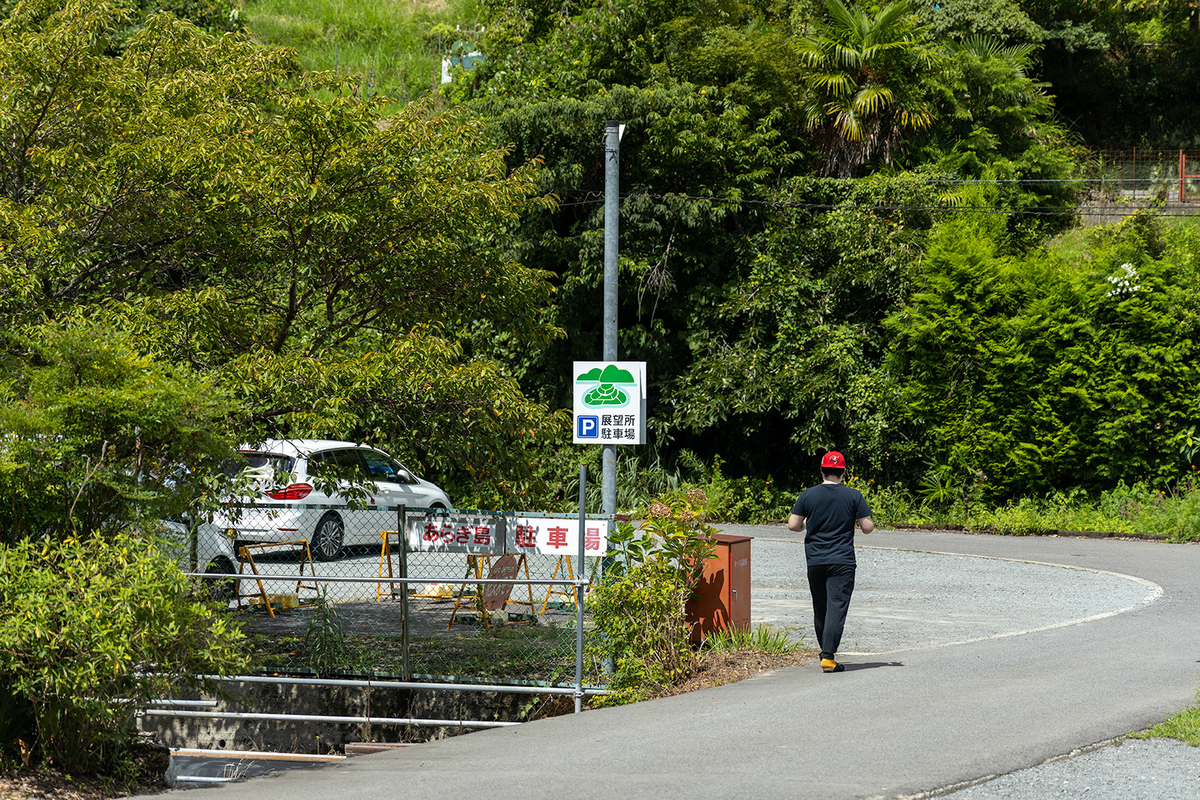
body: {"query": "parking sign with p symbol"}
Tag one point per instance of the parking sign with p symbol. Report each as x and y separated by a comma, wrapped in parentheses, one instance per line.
(587, 426)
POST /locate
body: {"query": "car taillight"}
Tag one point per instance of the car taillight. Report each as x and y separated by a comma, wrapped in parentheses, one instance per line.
(297, 491)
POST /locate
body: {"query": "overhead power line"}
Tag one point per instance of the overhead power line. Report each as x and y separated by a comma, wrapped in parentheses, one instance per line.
(1082, 209)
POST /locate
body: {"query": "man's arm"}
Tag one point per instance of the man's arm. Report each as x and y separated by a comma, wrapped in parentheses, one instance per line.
(796, 523)
(867, 524)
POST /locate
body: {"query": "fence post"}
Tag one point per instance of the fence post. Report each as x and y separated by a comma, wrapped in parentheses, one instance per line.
(580, 571)
(401, 519)
(193, 541)
(1182, 172)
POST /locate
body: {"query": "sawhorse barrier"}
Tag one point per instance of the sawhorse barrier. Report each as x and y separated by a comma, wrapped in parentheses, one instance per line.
(246, 556)
(495, 596)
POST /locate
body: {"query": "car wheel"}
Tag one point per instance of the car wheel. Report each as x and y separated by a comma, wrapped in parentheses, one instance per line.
(327, 538)
(220, 588)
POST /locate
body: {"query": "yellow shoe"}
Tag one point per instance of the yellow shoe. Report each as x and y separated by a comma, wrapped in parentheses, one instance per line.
(829, 665)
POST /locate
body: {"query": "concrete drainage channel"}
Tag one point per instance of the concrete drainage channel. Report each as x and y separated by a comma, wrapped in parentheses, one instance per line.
(238, 735)
(193, 767)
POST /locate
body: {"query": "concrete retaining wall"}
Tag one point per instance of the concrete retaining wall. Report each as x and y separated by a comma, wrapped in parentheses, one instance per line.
(323, 737)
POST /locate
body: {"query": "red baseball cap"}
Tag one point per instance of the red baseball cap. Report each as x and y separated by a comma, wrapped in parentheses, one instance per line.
(834, 460)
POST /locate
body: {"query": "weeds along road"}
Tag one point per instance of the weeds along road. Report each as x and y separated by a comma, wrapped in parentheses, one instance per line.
(967, 667)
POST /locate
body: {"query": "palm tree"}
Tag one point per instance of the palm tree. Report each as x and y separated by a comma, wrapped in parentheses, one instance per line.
(865, 75)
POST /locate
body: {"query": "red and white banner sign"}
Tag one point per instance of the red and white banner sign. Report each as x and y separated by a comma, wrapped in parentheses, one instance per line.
(496, 535)
(456, 534)
(557, 537)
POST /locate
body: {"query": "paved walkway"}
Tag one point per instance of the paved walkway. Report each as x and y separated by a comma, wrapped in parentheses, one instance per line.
(899, 722)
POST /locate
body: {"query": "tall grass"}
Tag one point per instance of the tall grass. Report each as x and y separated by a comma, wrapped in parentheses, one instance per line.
(1171, 512)
(764, 639)
(391, 47)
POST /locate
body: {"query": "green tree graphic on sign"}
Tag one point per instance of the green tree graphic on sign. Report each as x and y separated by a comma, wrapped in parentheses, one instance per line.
(608, 392)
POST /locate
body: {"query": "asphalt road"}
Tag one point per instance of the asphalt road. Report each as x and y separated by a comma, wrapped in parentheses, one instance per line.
(959, 690)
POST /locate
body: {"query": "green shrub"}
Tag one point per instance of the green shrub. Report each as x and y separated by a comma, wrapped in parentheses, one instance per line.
(641, 625)
(1172, 512)
(747, 500)
(755, 501)
(890, 505)
(640, 607)
(91, 630)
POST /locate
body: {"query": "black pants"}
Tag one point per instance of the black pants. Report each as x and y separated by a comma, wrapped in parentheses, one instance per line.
(831, 586)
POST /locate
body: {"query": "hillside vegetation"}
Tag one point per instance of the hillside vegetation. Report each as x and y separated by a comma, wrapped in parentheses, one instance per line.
(847, 226)
(391, 47)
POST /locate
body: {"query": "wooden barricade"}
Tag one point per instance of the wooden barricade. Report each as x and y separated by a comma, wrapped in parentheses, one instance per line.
(496, 596)
(552, 589)
(246, 556)
(484, 598)
(385, 558)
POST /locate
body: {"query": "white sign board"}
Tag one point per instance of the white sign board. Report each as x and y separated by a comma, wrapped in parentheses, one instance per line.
(558, 537)
(455, 534)
(610, 402)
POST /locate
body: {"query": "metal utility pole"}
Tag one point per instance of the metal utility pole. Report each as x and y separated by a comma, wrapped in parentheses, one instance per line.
(579, 589)
(612, 162)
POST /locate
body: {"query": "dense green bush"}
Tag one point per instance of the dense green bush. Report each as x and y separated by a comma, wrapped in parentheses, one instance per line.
(640, 607)
(751, 500)
(1019, 375)
(94, 433)
(90, 631)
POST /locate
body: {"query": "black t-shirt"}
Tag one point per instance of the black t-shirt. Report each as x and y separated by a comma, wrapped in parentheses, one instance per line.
(830, 510)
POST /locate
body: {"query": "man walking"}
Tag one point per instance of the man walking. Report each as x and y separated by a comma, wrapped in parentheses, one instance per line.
(829, 512)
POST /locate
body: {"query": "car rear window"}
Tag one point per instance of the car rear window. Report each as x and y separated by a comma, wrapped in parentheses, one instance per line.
(278, 463)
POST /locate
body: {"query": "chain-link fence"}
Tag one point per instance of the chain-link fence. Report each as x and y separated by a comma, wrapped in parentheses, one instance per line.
(1117, 183)
(1138, 174)
(406, 594)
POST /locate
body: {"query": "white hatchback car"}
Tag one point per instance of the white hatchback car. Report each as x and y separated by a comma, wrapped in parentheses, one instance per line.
(289, 472)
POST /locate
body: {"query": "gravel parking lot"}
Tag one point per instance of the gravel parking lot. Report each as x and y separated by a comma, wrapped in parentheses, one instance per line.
(906, 599)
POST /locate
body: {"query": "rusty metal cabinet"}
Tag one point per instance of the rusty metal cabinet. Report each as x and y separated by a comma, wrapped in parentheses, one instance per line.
(722, 599)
